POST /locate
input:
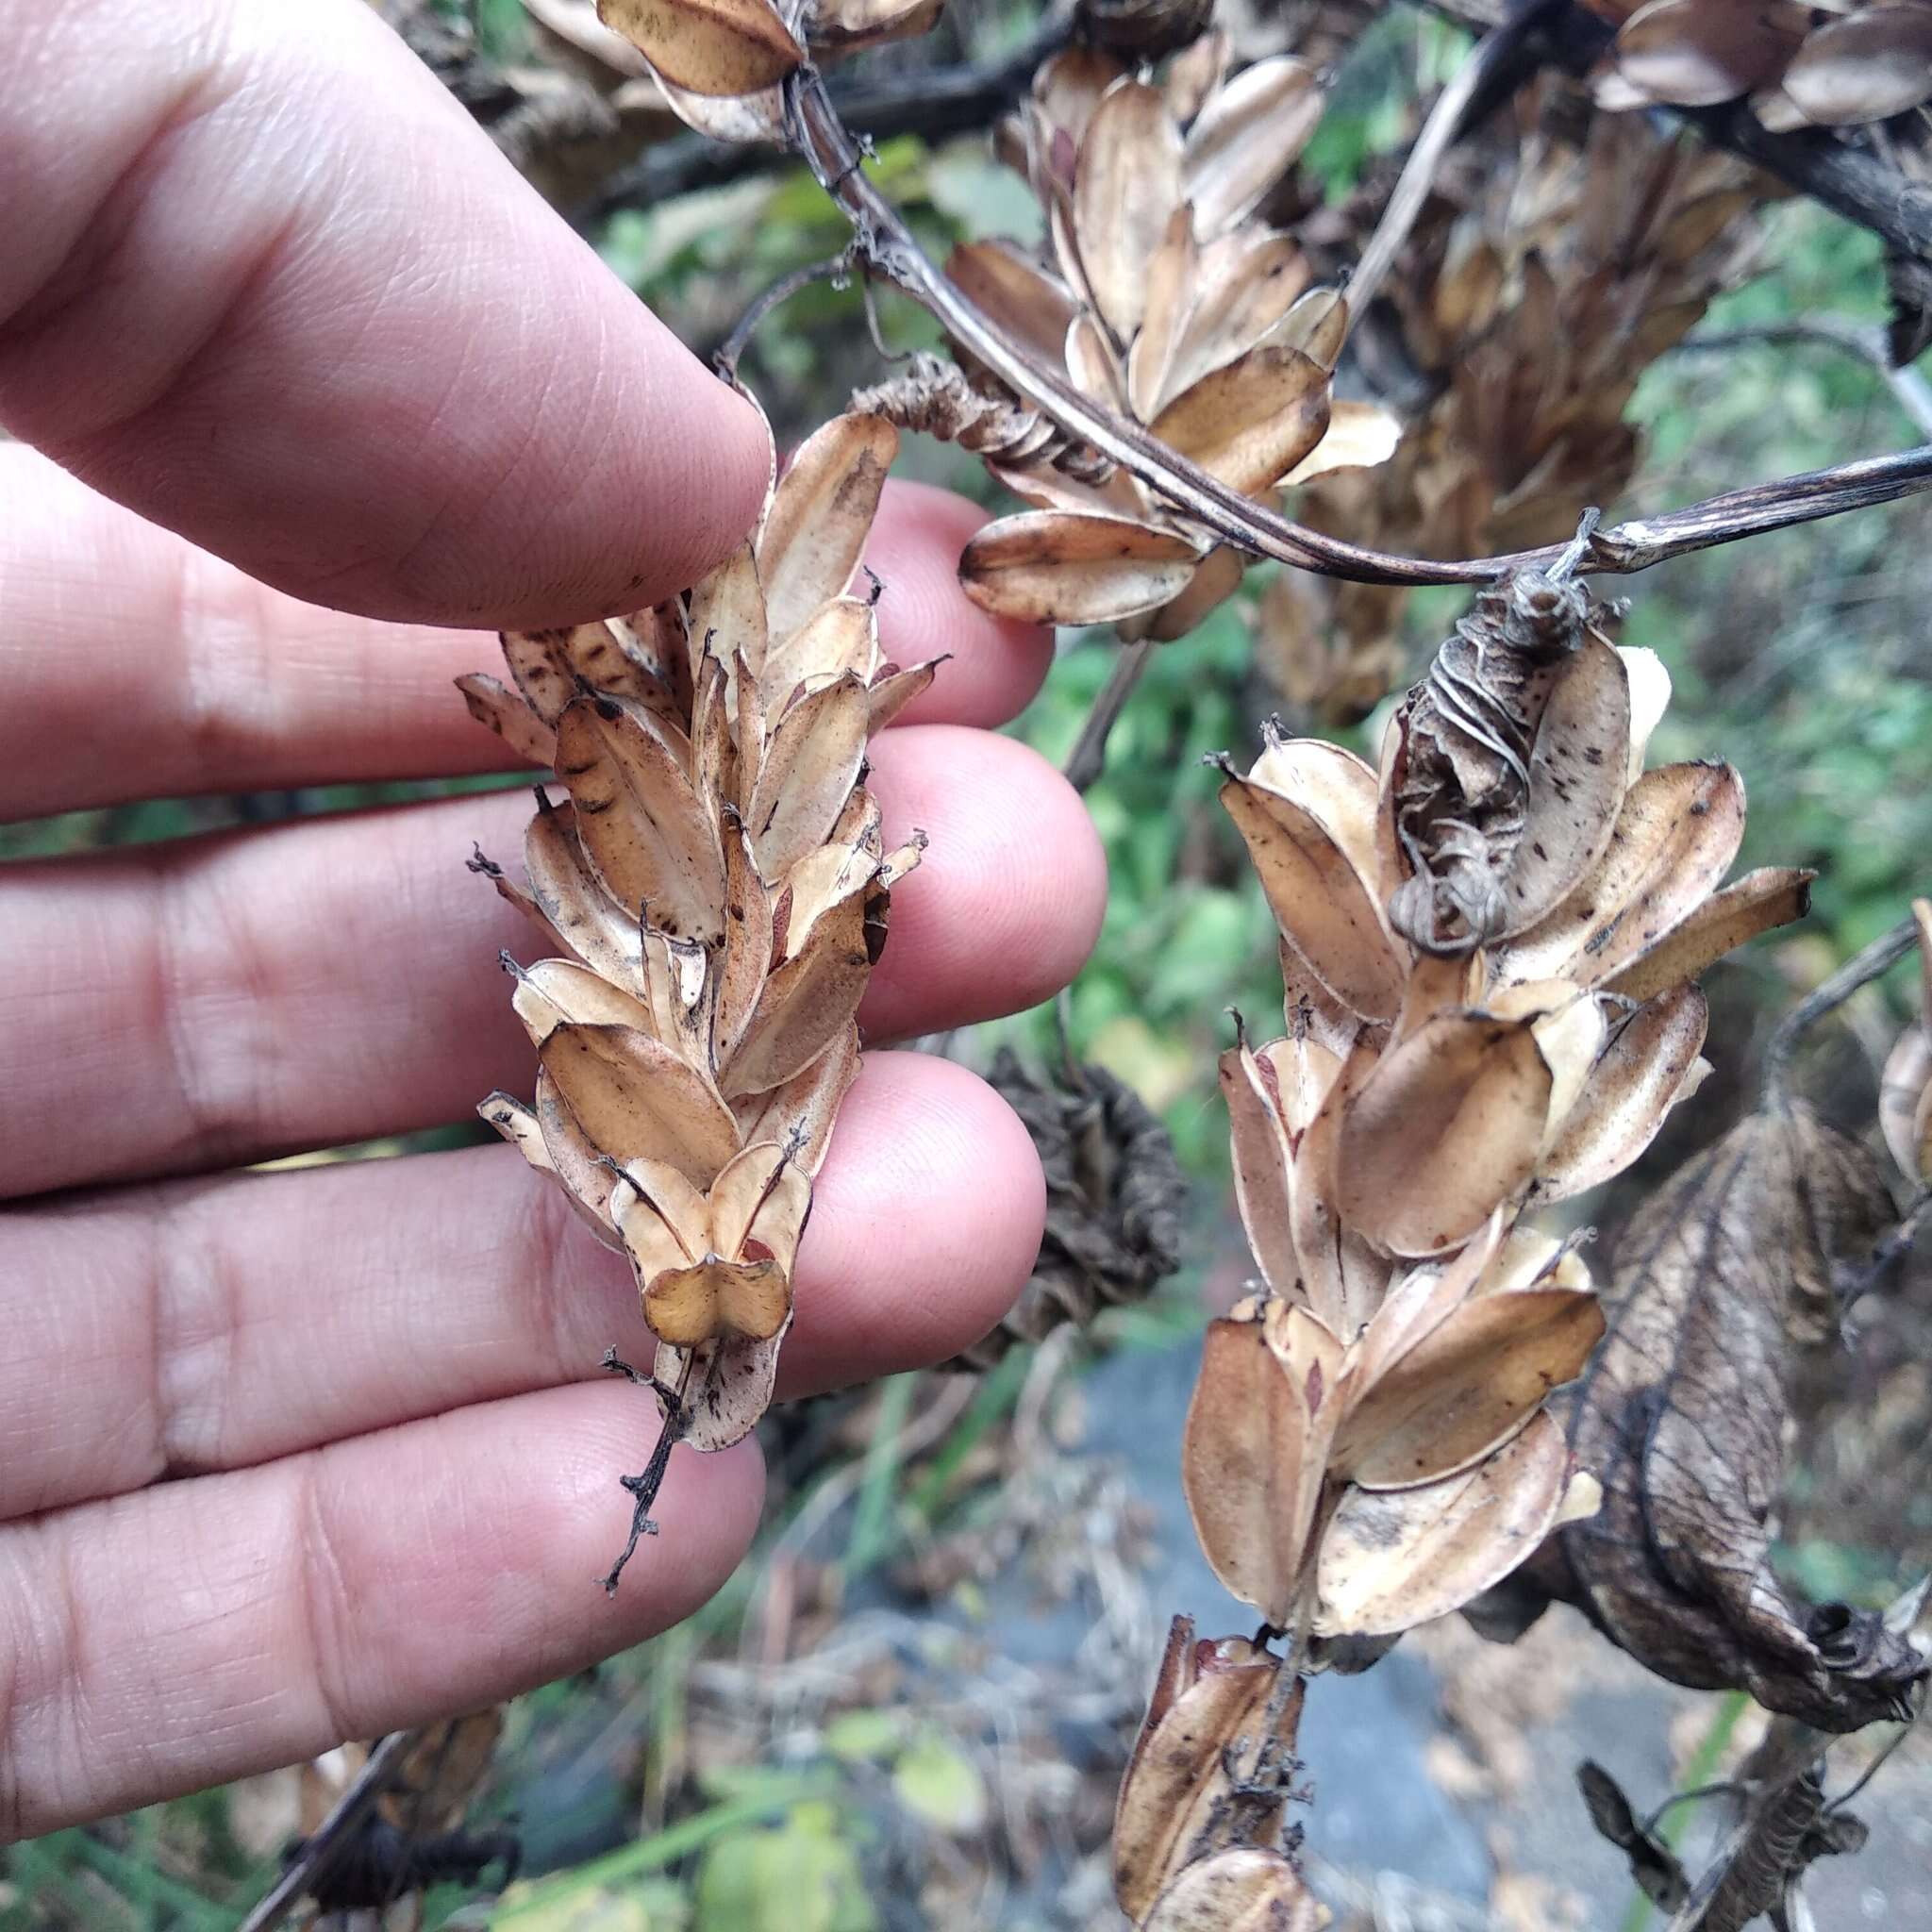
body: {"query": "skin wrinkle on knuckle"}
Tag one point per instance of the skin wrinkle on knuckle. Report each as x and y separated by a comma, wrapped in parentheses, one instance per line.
(193, 1313)
(224, 706)
(322, 1597)
(41, 1732)
(214, 1122)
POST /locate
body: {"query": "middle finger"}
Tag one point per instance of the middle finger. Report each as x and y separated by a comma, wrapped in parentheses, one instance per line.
(224, 1000)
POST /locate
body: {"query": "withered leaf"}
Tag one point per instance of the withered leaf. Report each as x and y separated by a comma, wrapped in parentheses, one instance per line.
(1255, 1449)
(639, 819)
(1678, 829)
(1027, 303)
(1250, 423)
(1247, 138)
(729, 617)
(1243, 286)
(1863, 66)
(1771, 896)
(1359, 435)
(1696, 52)
(806, 1004)
(815, 530)
(1062, 567)
(1178, 1787)
(1448, 1125)
(1650, 1064)
(638, 1099)
(573, 900)
(812, 764)
(1683, 1416)
(713, 1300)
(1320, 900)
(1126, 180)
(1465, 1387)
(709, 47)
(493, 702)
(1391, 1560)
(801, 1112)
(1244, 1889)
(587, 1186)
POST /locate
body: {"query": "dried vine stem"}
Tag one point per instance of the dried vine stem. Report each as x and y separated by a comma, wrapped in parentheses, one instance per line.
(886, 241)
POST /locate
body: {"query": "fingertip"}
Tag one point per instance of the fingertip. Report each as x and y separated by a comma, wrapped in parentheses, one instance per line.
(1007, 900)
(997, 665)
(933, 1184)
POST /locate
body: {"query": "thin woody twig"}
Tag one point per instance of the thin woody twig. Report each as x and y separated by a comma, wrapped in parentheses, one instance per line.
(1498, 51)
(326, 1844)
(644, 1486)
(1879, 957)
(1087, 759)
(1225, 514)
(1865, 341)
(731, 349)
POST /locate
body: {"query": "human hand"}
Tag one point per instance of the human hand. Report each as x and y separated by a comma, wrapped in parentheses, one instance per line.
(293, 1458)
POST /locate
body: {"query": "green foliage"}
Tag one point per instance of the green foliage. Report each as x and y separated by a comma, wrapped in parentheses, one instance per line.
(800, 1876)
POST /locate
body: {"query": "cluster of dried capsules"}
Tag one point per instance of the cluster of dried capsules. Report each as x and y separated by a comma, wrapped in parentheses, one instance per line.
(715, 889)
(1490, 950)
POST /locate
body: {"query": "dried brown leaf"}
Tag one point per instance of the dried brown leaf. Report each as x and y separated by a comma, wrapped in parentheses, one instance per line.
(1178, 1786)
(810, 767)
(709, 47)
(820, 514)
(1255, 1449)
(1029, 306)
(806, 1004)
(637, 1099)
(1247, 137)
(1684, 1412)
(638, 817)
(1447, 1126)
(1060, 567)
(1696, 52)
(1250, 423)
(1466, 1386)
(574, 902)
(1863, 66)
(1391, 1560)
(1127, 182)
(801, 1113)
(1771, 896)
(1648, 1066)
(1320, 900)
(493, 702)
(1244, 1889)
(1675, 836)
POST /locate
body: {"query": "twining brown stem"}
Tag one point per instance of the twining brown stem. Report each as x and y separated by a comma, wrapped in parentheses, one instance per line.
(330, 1838)
(1879, 957)
(1087, 759)
(886, 241)
(1495, 57)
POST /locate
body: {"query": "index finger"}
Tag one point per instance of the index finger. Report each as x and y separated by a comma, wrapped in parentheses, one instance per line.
(266, 283)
